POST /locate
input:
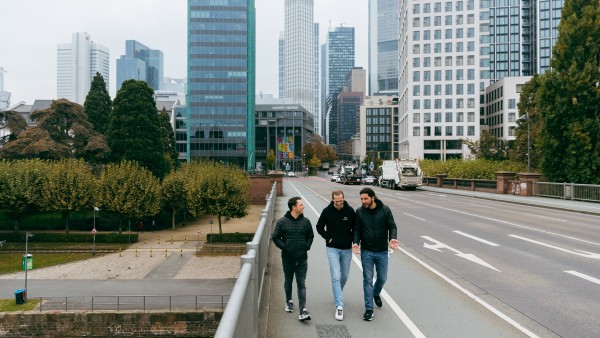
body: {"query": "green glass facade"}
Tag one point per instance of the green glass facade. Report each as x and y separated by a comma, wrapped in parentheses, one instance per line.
(221, 81)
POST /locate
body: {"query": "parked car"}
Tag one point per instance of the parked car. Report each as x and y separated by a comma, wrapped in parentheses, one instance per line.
(335, 177)
(367, 180)
(291, 174)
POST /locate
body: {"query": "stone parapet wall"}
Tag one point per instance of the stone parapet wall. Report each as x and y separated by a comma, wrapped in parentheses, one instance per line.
(104, 324)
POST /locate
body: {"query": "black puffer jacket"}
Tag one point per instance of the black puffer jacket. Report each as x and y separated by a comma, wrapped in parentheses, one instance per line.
(374, 227)
(336, 226)
(293, 236)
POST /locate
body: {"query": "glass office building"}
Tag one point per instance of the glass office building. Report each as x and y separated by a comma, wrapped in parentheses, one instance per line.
(383, 47)
(140, 63)
(221, 81)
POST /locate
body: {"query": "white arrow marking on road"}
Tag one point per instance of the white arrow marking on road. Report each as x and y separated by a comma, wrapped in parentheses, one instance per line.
(476, 238)
(584, 276)
(576, 252)
(437, 246)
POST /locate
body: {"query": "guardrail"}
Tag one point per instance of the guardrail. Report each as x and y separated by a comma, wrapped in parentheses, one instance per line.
(580, 192)
(240, 318)
(133, 303)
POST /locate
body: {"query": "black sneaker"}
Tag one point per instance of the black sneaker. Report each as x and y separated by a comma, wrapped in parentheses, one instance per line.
(368, 315)
(377, 300)
(304, 315)
(289, 306)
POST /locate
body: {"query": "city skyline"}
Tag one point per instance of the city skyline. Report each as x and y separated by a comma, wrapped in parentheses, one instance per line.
(29, 57)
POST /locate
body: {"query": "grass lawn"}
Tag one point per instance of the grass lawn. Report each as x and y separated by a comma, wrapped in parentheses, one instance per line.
(9, 305)
(11, 262)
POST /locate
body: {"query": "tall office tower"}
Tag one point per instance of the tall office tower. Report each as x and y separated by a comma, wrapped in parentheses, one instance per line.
(281, 44)
(383, 47)
(439, 71)
(349, 101)
(340, 60)
(548, 14)
(323, 91)
(221, 81)
(299, 80)
(140, 63)
(316, 101)
(77, 64)
(4, 96)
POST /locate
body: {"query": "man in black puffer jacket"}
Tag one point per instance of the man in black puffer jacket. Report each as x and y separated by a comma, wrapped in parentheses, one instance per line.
(294, 235)
(335, 225)
(373, 228)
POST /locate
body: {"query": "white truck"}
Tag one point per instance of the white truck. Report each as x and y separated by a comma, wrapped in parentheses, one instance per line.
(401, 174)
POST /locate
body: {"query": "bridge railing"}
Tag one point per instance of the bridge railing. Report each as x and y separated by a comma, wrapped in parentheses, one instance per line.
(240, 318)
(571, 191)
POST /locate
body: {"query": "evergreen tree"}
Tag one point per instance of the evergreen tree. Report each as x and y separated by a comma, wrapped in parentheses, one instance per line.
(569, 98)
(168, 137)
(12, 122)
(134, 131)
(97, 104)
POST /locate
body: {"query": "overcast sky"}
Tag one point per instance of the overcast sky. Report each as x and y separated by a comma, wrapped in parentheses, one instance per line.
(31, 29)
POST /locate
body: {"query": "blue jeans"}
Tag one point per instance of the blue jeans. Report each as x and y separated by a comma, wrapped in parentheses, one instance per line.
(379, 260)
(339, 267)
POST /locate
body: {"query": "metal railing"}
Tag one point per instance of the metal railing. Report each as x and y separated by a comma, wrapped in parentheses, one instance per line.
(133, 303)
(240, 318)
(580, 192)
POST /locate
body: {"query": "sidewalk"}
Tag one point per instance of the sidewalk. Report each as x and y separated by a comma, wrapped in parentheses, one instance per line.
(544, 202)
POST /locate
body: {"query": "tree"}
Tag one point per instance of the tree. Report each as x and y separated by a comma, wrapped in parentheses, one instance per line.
(313, 165)
(569, 97)
(62, 131)
(68, 186)
(97, 104)
(12, 122)
(173, 191)
(20, 183)
(217, 189)
(488, 147)
(134, 131)
(270, 160)
(128, 190)
(518, 151)
(168, 138)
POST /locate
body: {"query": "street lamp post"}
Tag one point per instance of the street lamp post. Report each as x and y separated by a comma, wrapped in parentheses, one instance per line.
(27, 235)
(526, 118)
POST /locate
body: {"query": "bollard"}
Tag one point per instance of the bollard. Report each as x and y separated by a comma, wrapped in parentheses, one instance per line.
(165, 252)
(120, 253)
(171, 239)
(150, 251)
(181, 253)
(158, 239)
(136, 254)
(184, 239)
(145, 238)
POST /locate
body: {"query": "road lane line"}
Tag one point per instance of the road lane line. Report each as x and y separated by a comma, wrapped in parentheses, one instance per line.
(472, 296)
(584, 276)
(395, 307)
(540, 216)
(413, 216)
(576, 252)
(476, 238)
(493, 219)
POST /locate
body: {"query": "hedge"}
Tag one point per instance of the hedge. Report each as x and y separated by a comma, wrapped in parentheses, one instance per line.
(69, 238)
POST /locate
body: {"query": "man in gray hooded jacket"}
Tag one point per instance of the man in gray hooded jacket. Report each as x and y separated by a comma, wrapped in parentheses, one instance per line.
(294, 235)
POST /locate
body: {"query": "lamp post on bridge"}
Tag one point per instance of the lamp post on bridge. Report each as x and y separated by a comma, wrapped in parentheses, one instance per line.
(526, 118)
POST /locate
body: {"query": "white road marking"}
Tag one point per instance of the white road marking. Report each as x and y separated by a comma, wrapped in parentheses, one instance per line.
(399, 312)
(476, 238)
(437, 246)
(576, 252)
(584, 276)
(540, 216)
(482, 206)
(439, 195)
(473, 296)
(419, 218)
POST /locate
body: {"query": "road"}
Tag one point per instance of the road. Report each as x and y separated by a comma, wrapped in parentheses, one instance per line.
(535, 270)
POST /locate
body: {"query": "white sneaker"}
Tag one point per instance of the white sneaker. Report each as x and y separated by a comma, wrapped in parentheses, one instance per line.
(304, 315)
(339, 313)
(289, 306)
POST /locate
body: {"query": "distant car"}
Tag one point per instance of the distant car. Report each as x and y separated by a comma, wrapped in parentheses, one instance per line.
(335, 177)
(367, 180)
(291, 174)
(330, 172)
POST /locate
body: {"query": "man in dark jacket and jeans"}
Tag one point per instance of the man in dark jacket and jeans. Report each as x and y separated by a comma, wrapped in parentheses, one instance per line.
(373, 228)
(294, 235)
(335, 225)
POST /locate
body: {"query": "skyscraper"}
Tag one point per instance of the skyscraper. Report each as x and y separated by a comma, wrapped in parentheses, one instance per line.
(4, 96)
(77, 64)
(383, 47)
(221, 81)
(299, 53)
(281, 45)
(340, 60)
(140, 63)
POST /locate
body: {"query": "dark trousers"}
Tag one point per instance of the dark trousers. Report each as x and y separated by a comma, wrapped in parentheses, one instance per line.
(299, 267)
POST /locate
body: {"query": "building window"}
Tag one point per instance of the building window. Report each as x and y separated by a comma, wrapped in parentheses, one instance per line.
(416, 118)
(438, 131)
(416, 131)
(459, 131)
(448, 130)
(427, 118)
(471, 131)
(449, 116)
(427, 131)
(471, 116)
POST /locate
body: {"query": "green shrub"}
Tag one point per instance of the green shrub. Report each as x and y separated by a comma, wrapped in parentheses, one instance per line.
(230, 238)
(70, 238)
(469, 169)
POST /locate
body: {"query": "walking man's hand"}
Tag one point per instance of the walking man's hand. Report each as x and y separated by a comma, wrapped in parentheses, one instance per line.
(394, 244)
(355, 248)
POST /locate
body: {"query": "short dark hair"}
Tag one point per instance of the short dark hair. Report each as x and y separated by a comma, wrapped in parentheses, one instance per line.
(367, 191)
(292, 201)
(337, 193)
